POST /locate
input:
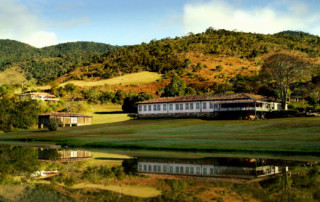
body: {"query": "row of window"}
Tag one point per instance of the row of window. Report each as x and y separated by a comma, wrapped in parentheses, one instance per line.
(178, 107)
(176, 169)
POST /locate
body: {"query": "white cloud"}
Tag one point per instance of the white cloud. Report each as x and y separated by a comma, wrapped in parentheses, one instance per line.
(18, 23)
(264, 19)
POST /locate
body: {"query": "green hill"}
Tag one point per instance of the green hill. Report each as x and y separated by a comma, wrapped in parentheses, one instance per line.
(50, 62)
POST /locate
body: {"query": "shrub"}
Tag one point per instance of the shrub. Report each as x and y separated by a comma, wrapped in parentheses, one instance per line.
(177, 186)
(219, 68)
(53, 123)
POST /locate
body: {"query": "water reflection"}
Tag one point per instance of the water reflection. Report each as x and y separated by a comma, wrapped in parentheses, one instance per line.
(209, 167)
(18, 164)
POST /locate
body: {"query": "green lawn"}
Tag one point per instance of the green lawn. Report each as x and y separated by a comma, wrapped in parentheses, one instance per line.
(107, 113)
(292, 135)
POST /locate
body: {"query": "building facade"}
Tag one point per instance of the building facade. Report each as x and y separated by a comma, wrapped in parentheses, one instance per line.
(237, 105)
(67, 119)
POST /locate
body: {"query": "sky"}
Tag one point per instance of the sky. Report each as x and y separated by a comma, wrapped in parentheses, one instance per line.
(43, 23)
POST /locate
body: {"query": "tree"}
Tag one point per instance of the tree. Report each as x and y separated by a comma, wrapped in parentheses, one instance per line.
(284, 70)
(177, 87)
(130, 102)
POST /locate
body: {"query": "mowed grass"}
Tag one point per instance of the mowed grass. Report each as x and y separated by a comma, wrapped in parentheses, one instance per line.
(291, 135)
(107, 113)
(127, 79)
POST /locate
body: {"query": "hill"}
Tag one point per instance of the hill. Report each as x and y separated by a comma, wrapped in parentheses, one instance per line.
(212, 61)
(48, 63)
(201, 60)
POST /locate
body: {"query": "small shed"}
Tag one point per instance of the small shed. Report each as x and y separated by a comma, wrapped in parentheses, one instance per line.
(67, 119)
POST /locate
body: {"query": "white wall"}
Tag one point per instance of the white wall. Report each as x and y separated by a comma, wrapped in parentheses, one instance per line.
(175, 109)
(204, 106)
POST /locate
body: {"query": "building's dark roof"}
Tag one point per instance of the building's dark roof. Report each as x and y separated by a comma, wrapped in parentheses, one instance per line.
(214, 97)
(65, 114)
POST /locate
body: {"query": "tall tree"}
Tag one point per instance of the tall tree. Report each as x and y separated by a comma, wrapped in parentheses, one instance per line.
(284, 70)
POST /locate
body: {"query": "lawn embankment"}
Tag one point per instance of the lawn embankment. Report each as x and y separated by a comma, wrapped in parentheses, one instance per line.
(291, 135)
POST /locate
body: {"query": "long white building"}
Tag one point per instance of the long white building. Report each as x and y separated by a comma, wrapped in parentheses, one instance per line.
(209, 167)
(237, 105)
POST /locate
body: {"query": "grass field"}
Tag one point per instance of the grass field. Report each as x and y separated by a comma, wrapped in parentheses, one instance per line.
(128, 79)
(291, 135)
(107, 113)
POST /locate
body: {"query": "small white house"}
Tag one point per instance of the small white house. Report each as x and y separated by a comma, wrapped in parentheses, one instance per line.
(37, 96)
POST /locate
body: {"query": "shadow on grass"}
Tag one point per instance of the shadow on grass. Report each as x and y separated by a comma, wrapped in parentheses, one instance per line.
(105, 158)
(41, 131)
(113, 112)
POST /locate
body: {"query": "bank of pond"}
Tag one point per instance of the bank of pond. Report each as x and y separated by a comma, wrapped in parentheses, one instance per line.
(77, 174)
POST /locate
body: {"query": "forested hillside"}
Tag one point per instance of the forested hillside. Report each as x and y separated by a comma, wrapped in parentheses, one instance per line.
(174, 54)
(48, 63)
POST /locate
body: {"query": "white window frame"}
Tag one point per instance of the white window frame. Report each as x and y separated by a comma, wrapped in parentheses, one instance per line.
(73, 120)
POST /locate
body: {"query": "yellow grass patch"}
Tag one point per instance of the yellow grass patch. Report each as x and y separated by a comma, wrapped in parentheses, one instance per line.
(11, 192)
(12, 76)
(131, 190)
(128, 79)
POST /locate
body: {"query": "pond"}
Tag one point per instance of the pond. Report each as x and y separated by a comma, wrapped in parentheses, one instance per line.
(108, 177)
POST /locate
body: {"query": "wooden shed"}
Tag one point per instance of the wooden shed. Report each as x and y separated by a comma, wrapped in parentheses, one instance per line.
(67, 119)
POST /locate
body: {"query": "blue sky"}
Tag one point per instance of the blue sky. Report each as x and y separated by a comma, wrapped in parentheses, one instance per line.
(126, 22)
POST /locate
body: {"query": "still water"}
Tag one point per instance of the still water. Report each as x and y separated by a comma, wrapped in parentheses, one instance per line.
(19, 161)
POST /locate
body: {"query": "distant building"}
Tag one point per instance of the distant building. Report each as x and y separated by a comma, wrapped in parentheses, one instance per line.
(229, 106)
(37, 96)
(67, 119)
(300, 99)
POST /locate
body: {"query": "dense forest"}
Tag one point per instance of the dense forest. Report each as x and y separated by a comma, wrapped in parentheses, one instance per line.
(48, 63)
